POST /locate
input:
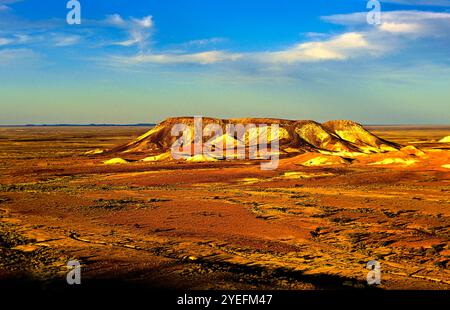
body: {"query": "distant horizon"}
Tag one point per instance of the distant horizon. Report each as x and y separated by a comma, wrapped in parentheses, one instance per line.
(78, 125)
(138, 124)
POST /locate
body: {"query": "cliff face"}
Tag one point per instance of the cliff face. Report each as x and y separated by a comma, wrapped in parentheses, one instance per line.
(295, 136)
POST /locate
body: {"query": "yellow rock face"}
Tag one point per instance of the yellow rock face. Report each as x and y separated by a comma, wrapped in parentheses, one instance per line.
(445, 139)
(200, 158)
(303, 175)
(323, 161)
(393, 161)
(159, 157)
(94, 152)
(26, 248)
(412, 150)
(115, 161)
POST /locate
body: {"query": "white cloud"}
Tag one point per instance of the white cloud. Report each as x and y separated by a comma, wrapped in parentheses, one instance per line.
(23, 38)
(129, 42)
(138, 29)
(137, 36)
(203, 42)
(5, 41)
(203, 58)
(16, 56)
(409, 24)
(4, 5)
(400, 27)
(16, 39)
(66, 40)
(418, 18)
(145, 22)
(397, 30)
(420, 2)
(115, 20)
(340, 47)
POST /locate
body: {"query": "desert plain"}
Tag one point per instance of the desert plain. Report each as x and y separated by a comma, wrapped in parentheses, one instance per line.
(222, 224)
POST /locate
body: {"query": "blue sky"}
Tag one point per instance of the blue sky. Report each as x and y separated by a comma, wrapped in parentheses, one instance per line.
(143, 61)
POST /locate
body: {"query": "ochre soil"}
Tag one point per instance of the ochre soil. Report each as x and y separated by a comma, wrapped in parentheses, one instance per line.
(220, 225)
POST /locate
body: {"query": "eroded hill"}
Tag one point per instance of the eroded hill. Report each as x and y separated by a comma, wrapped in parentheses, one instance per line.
(339, 137)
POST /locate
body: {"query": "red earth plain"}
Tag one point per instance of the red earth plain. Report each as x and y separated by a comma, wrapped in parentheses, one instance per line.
(313, 223)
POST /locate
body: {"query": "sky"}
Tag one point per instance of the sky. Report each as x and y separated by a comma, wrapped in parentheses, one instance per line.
(143, 61)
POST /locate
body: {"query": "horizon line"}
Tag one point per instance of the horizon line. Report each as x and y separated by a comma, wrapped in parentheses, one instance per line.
(79, 125)
(154, 124)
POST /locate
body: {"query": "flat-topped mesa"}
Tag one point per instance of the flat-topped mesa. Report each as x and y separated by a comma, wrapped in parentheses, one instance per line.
(342, 137)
